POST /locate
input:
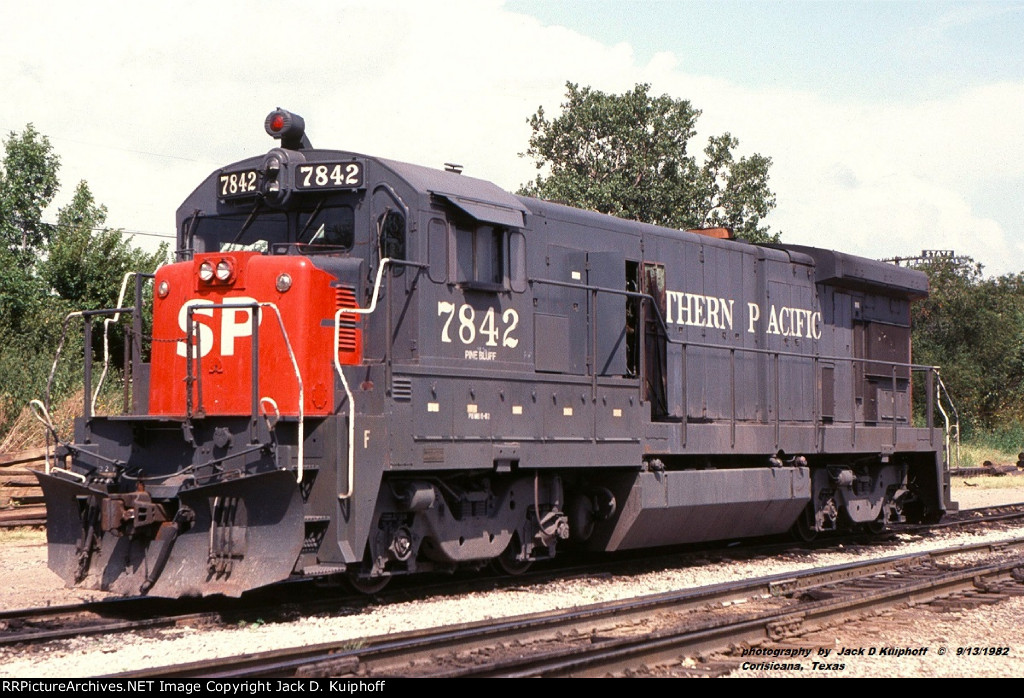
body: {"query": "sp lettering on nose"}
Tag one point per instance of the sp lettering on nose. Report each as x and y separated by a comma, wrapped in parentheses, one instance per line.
(233, 324)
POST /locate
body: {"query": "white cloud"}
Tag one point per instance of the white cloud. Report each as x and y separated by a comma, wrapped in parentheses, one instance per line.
(143, 101)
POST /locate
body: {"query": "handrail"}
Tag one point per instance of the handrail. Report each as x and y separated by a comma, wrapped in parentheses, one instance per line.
(114, 315)
(256, 399)
(956, 426)
(725, 347)
(337, 363)
(106, 334)
(56, 355)
(298, 378)
(776, 354)
(41, 407)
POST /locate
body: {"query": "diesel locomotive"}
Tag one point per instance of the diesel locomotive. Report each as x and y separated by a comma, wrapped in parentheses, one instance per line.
(359, 368)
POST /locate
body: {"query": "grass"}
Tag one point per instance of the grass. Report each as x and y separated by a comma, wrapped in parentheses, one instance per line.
(28, 432)
(991, 482)
(999, 447)
(21, 535)
(973, 455)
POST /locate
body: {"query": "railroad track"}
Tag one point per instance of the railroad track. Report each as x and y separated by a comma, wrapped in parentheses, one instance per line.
(637, 634)
(992, 514)
(286, 602)
(135, 614)
(54, 623)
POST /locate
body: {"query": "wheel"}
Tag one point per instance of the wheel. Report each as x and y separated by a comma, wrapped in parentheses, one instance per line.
(366, 585)
(877, 526)
(802, 529)
(507, 562)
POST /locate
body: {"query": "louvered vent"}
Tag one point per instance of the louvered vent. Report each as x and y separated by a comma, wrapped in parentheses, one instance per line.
(401, 388)
(348, 336)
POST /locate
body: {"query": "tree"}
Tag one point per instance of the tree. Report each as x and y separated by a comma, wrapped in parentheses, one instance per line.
(48, 270)
(28, 183)
(86, 261)
(973, 328)
(627, 155)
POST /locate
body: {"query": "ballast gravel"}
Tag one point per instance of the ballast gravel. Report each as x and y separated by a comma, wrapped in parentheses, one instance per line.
(960, 643)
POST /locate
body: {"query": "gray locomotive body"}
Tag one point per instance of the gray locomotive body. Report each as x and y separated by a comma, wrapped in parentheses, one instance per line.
(515, 376)
(660, 386)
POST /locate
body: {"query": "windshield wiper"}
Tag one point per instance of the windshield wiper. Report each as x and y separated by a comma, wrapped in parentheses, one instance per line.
(190, 231)
(312, 217)
(245, 226)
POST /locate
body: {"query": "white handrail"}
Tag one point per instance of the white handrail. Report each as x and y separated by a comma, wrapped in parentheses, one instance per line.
(955, 428)
(40, 412)
(106, 338)
(298, 377)
(344, 382)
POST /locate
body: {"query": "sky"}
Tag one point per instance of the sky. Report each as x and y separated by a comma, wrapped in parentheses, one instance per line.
(893, 127)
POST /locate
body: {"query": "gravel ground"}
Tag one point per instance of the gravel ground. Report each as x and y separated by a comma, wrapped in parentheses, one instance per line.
(27, 582)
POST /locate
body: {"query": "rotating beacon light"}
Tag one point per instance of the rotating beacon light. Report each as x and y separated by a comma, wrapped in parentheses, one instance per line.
(287, 127)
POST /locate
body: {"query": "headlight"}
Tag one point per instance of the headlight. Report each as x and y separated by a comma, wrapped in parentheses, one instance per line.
(206, 272)
(224, 270)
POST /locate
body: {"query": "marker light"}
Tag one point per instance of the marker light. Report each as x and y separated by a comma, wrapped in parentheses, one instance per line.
(206, 272)
(224, 270)
(163, 289)
(271, 172)
(284, 282)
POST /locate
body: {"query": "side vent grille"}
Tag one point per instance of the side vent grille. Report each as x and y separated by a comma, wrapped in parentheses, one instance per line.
(348, 335)
(401, 388)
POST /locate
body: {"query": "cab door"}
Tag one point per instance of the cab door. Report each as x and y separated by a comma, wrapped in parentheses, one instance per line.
(655, 350)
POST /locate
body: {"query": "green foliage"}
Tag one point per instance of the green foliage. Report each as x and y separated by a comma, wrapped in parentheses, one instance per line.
(28, 183)
(26, 359)
(1007, 440)
(86, 261)
(627, 155)
(48, 271)
(21, 292)
(1000, 446)
(973, 328)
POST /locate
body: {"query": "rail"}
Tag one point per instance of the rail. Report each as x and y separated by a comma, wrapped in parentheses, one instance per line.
(132, 353)
(132, 348)
(41, 408)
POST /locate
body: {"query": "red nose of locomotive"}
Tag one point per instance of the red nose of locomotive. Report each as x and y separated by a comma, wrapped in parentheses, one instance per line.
(258, 326)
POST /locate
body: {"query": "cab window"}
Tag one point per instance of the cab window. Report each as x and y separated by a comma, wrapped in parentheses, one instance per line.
(330, 229)
(480, 257)
(391, 237)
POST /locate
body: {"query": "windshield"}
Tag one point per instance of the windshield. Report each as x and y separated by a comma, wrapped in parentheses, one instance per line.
(329, 229)
(333, 227)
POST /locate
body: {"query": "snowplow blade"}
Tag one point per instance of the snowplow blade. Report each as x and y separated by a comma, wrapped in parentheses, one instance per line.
(243, 534)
